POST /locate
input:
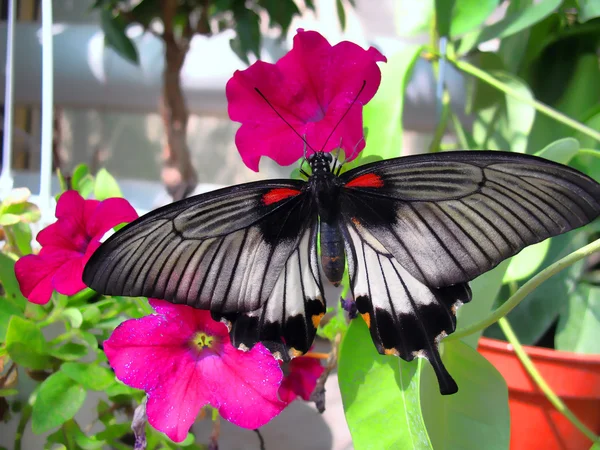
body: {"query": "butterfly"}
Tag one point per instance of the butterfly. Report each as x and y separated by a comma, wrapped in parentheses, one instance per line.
(412, 232)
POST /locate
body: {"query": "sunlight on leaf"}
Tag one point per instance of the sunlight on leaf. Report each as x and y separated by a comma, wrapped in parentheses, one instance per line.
(527, 261)
(383, 114)
(560, 151)
(485, 289)
(106, 186)
(478, 413)
(579, 325)
(510, 24)
(380, 395)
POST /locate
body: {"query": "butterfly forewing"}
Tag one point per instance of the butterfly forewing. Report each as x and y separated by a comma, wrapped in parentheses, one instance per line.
(222, 251)
(450, 217)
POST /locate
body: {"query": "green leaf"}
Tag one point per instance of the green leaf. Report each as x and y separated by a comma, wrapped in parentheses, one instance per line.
(247, 28)
(8, 392)
(22, 237)
(507, 123)
(527, 262)
(90, 376)
(382, 116)
(412, 18)
(74, 316)
(58, 400)
(560, 151)
(588, 10)
(106, 186)
(443, 16)
(509, 25)
(485, 289)
(477, 414)
(115, 36)
(341, 12)
(7, 310)
(79, 173)
(26, 212)
(538, 311)
(145, 11)
(592, 121)
(567, 81)
(9, 281)
(512, 50)
(119, 388)
(469, 14)
(579, 323)
(26, 345)
(380, 395)
(71, 351)
(336, 324)
(281, 12)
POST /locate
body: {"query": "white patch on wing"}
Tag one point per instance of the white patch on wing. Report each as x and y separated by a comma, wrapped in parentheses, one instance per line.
(381, 278)
(295, 285)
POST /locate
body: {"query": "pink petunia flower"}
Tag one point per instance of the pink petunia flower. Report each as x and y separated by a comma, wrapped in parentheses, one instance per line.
(312, 87)
(301, 375)
(68, 244)
(184, 360)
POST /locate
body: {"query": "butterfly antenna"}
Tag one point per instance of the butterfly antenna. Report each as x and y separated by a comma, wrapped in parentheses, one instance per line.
(351, 154)
(364, 83)
(336, 158)
(286, 122)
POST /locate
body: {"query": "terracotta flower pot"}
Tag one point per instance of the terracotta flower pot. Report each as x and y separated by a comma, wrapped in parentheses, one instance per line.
(535, 424)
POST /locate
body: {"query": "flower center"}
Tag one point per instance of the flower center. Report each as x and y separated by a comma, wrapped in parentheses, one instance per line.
(202, 340)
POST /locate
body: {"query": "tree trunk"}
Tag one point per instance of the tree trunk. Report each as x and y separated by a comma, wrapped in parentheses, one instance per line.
(178, 173)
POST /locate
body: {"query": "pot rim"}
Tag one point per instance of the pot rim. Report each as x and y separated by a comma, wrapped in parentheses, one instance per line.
(539, 352)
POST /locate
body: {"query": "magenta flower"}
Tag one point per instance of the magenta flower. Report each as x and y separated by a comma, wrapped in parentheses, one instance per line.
(184, 360)
(68, 244)
(312, 86)
(301, 375)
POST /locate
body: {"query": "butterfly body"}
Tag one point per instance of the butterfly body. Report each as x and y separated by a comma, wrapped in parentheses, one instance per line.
(412, 231)
(324, 186)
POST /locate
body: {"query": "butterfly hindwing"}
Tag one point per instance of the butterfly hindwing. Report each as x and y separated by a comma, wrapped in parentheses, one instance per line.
(405, 317)
(287, 322)
(449, 217)
(223, 251)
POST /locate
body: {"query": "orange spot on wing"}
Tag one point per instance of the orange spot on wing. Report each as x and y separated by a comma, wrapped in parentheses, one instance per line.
(316, 319)
(279, 194)
(367, 319)
(370, 180)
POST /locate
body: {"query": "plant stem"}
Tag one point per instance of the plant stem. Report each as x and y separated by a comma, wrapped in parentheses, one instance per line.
(539, 106)
(541, 383)
(25, 416)
(526, 289)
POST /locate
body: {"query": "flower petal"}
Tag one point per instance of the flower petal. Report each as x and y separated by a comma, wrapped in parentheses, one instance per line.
(246, 385)
(108, 214)
(311, 87)
(67, 279)
(303, 373)
(34, 274)
(152, 354)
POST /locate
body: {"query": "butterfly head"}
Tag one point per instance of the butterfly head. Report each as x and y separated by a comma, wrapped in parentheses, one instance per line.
(320, 162)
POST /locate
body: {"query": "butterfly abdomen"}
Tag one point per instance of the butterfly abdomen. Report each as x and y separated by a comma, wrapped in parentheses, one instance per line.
(333, 258)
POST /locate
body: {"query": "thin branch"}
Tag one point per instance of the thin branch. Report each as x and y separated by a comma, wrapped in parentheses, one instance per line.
(526, 289)
(539, 106)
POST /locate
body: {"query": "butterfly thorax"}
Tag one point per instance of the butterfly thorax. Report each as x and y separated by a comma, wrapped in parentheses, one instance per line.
(325, 188)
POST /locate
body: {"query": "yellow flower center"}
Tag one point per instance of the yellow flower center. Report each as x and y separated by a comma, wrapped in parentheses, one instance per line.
(202, 340)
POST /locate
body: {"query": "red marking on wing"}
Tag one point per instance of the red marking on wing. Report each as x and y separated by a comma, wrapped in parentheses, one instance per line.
(278, 194)
(370, 180)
